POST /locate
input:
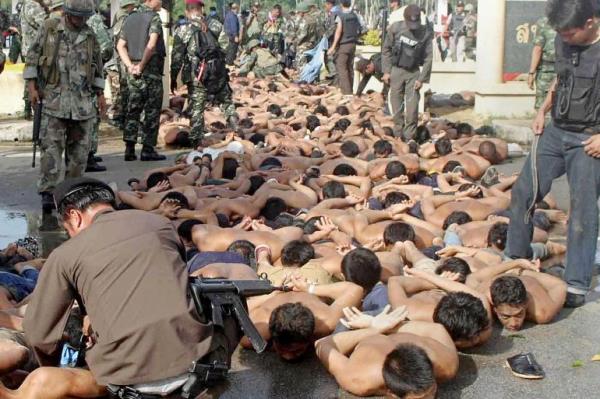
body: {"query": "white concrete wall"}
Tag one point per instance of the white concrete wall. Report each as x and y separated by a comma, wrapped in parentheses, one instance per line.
(11, 92)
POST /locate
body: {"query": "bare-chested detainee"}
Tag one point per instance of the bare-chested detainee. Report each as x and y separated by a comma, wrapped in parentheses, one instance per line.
(387, 355)
(294, 320)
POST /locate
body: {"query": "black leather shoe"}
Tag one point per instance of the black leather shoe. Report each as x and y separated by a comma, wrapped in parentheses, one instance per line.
(97, 158)
(574, 300)
(149, 154)
(47, 202)
(130, 152)
(525, 366)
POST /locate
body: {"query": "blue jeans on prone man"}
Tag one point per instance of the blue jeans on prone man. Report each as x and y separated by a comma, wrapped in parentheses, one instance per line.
(560, 151)
(19, 286)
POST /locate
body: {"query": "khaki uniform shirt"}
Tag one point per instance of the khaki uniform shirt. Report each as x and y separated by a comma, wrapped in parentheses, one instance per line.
(128, 270)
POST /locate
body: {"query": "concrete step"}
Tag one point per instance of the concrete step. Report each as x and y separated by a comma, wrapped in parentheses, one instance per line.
(16, 130)
(514, 130)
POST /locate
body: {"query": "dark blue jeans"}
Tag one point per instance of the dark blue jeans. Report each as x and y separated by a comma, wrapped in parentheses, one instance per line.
(559, 152)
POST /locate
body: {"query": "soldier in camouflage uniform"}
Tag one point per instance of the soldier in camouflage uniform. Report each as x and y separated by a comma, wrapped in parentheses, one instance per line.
(145, 65)
(542, 61)
(329, 32)
(261, 61)
(179, 61)
(254, 23)
(200, 94)
(273, 30)
(307, 35)
(289, 32)
(105, 42)
(117, 73)
(65, 84)
(33, 15)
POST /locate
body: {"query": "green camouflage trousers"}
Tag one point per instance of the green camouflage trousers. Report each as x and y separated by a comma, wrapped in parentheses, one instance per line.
(58, 136)
(542, 84)
(199, 99)
(27, 108)
(95, 128)
(272, 70)
(116, 107)
(301, 59)
(145, 94)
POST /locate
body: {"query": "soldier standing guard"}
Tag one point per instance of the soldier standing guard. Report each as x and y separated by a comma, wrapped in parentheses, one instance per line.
(33, 15)
(307, 35)
(210, 76)
(179, 63)
(106, 51)
(64, 84)
(541, 70)
(141, 47)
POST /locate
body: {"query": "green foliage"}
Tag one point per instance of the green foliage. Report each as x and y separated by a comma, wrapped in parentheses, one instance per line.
(577, 363)
(372, 38)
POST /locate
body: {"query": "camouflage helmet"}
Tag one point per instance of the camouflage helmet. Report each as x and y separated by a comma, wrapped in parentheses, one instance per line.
(125, 3)
(80, 8)
(56, 4)
(302, 7)
(252, 43)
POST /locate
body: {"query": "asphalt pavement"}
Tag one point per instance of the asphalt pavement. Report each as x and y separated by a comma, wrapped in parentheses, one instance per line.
(564, 348)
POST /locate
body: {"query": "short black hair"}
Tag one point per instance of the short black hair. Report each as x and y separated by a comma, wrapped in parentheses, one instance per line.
(467, 186)
(457, 217)
(388, 131)
(393, 198)
(256, 182)
(297, 253)
(230, 168)
(350, 149)
(156, 178)
(462, 314)
(245, 123)
(497, 235)
(273, 208)
(362, 267)
(508, 290)
(257, 138)
(333, 189)
(443, 146)
(312, 122)
(185, 229)
(422, 135)
(223, 220)
(85, 197)
(310, 225)
(321, 109)
(398, 232)
(455, 265)
(270, 161)
(407, 369)
(342, 110)
(246, 249)
(342, 124)
(291, 323)
(346, 3)
(568, 14)
(289, 113)
(382, 147)
(178, 197)
(450, 166)
(464, 129)
(274, 109)
(487, 150)
(272, 87)
(344, 169)
(395, 169)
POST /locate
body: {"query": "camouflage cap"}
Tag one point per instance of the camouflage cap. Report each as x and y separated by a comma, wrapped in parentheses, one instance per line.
(125, 3)
(252, 43)
(80, 8)
(56, 4)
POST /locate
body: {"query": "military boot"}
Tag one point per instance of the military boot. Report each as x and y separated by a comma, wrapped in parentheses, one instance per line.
(47, 202)
(130, 151)
(93, 166)
(150, 154)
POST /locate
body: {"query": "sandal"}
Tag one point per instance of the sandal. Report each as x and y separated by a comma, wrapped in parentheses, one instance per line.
(525, 366)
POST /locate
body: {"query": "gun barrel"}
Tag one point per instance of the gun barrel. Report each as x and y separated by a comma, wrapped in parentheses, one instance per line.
(244, 288)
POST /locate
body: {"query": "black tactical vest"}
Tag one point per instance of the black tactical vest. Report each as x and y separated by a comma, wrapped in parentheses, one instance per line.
(409, 47)
(576, 104)
(136, 32)
(350, 27)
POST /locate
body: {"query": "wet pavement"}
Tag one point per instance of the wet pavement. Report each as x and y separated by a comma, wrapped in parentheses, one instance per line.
(569, 341)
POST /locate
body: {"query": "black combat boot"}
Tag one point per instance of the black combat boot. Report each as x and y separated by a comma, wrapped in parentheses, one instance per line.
(47, 202)
(93, 166)
(150, 154)
(130, 151)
